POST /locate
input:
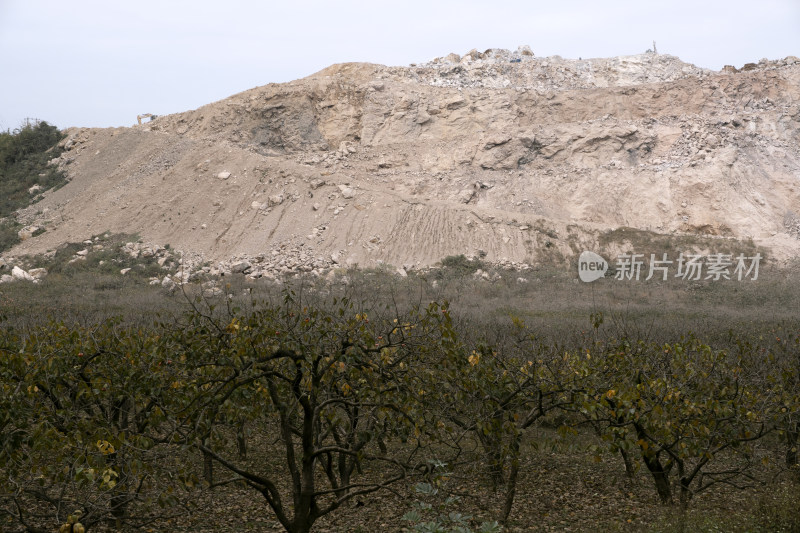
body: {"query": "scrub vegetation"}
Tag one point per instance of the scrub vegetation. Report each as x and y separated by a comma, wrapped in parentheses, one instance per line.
(432, 403)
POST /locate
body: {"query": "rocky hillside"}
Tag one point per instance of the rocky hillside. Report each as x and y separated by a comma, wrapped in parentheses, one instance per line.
(513, 157)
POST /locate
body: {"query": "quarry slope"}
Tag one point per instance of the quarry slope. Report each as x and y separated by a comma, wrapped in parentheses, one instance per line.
(500, 154)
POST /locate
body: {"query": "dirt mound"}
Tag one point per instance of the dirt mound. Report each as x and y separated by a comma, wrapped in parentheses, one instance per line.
(500, 153)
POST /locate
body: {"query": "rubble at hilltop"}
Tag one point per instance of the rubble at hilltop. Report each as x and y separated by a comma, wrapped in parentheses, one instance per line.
(521, 69)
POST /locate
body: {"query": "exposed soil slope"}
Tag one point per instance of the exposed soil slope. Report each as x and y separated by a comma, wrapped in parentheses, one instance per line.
(524, 158)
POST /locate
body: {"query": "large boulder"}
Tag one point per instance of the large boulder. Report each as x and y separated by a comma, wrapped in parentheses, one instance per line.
(241, 267)
(19, 274)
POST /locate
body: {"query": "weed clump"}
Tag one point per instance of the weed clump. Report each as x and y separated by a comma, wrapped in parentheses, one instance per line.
(460, 265)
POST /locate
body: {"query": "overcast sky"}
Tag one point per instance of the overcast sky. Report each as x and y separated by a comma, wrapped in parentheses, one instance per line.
(102, 62)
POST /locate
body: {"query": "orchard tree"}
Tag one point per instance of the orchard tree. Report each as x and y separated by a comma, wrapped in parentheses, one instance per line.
(81, 427)
(497, 388)
(780, 361)
(683, 406)
(334, 382)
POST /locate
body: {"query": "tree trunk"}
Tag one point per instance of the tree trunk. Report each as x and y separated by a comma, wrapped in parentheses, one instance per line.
(792, 434)
(660, 478)
(118, 503)
(511, 487)
(493, 449)
(657, 470)
(301, 525)
(630, 469)
(208, 466)
(492, 443)
(119, 510)
(241, 440)
(686, 494)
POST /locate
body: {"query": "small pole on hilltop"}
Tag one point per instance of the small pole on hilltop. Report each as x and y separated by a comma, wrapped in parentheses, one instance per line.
(655, 50)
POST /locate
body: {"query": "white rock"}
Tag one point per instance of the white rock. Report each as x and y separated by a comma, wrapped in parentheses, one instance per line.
(466, 195)
(82, 253)
(241, 266)
(37, 273)
(124, 271)
(148, 252)
(27, 232)
(212, 292)
(347, 192)
(224, 175)
(275, 199)
(18, 273)
(525, 50)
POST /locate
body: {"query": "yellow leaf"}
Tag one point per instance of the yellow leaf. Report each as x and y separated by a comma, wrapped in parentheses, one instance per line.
(105, 447)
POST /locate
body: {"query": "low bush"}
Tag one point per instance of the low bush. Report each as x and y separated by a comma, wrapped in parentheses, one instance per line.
(460, 265)
(9, 233)
(24, 156)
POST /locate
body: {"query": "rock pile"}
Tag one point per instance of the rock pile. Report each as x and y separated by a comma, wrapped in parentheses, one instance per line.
(284, 260)
(499, 68)
(34, 275)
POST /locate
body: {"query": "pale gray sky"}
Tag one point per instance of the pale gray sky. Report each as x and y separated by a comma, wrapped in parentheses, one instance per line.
(102, 62)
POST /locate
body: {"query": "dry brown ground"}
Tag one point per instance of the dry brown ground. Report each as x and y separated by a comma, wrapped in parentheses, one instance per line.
(562, 487)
